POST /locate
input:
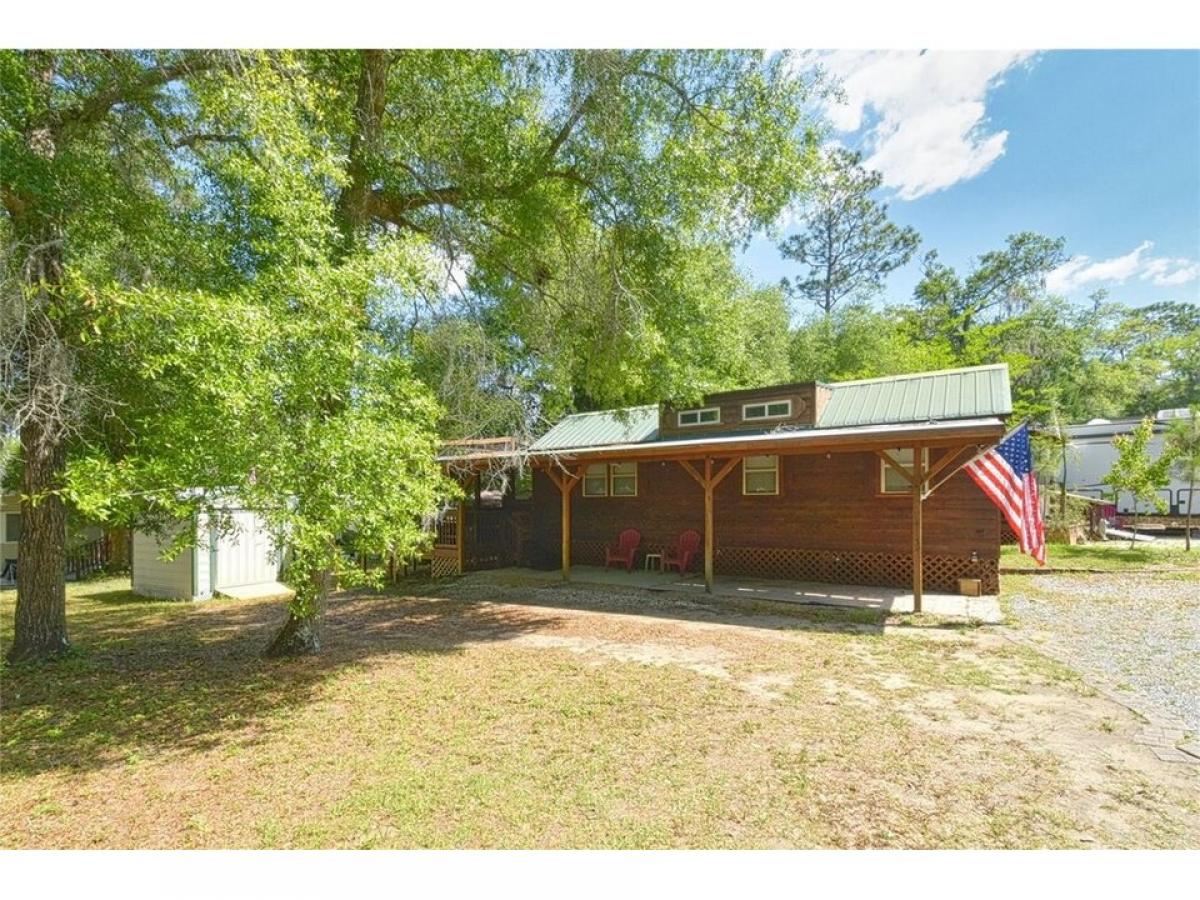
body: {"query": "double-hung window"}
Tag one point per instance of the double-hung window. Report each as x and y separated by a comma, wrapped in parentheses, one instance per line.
(760, 475)
(610, 480)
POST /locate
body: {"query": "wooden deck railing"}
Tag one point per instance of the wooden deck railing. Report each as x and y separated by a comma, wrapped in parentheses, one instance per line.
(88, 558)
(446, 530)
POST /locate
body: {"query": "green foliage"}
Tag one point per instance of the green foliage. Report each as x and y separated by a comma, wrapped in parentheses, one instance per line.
(1134, 472)
(216, 326)
(591, 201)
(1182, 444)
(857, 341)
(848, 243)
(1104, 360)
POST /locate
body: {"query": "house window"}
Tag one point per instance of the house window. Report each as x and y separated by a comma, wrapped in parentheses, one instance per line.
(595, 480)
(760, 475)
(12, 527)
(709, 416)
(891, 481)
(611, 480)
(776, 409)
(623, 479)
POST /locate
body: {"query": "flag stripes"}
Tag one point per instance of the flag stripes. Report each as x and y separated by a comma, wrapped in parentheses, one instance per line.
(1005, 473)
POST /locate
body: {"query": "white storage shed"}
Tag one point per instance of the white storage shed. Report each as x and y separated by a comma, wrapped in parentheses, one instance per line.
(241, 560)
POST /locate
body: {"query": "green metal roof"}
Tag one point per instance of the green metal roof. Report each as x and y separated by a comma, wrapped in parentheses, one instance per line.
(920, 397)
(971, 393)
(598, 429)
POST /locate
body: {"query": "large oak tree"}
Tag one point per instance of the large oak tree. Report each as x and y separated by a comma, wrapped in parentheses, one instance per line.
(198, 245)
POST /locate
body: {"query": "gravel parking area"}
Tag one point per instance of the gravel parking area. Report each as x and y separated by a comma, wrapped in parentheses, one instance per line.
(1139, 633)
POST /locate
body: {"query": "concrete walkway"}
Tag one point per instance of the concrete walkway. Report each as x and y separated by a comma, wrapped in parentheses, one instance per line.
(981, 609)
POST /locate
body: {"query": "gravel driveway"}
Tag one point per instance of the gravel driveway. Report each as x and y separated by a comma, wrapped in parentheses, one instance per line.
(1140, 633)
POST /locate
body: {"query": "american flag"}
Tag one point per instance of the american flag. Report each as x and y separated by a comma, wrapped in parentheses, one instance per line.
(1005, 474)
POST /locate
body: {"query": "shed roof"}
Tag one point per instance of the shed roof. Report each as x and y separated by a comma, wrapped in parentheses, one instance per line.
(919, 397)
(633, 425)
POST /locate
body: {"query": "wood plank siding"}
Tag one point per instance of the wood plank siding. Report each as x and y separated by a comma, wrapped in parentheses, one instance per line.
(806, 399)
(827, 522)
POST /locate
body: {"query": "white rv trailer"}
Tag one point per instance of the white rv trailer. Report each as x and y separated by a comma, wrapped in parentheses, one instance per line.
(1092, 454)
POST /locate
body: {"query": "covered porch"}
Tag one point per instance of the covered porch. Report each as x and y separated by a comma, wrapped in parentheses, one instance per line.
(821, 523)
(983, 609)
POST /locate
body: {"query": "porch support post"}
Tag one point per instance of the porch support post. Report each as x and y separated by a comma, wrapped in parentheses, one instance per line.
(918, 537)
(565, 484)
(566, 533)
(709, 481)
(460, 526)
(708, 525)
(460, 536)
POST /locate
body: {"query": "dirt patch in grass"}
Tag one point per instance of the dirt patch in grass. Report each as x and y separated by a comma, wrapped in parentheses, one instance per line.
(555, 719)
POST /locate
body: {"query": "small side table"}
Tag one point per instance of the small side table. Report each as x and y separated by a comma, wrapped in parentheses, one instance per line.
(657, 557)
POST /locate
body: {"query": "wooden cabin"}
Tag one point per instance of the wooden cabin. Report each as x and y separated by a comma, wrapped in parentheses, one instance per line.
(803, 482)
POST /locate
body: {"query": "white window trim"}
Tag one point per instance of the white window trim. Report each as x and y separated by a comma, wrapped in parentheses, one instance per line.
(766, 404)
(774, 493)
(608, 481)
(699, 412)
(4, 527)
(584, 486)
(611, 466)
(884, 465)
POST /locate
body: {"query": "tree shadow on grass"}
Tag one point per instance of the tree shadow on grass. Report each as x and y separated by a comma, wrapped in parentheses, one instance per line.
(500, 586)
(163, 676)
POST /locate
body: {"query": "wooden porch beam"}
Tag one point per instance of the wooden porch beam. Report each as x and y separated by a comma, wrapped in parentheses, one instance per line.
(918, 535)
(708, 482)
(708, 525)
(725, 470)
(948, 457)
(460, 537)
(944, 463)
(566, 485)
(901, 469)
(691, 470)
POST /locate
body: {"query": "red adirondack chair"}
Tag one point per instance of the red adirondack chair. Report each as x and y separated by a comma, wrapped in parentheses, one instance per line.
(683, 553)
(626, 550)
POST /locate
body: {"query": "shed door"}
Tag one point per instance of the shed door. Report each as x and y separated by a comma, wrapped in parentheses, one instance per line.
(245, 556)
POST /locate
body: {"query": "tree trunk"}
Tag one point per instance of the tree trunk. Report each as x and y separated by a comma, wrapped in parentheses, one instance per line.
(1062, 491)
(40, 629)
(301, 634)
(40, 621)
(1133, 531)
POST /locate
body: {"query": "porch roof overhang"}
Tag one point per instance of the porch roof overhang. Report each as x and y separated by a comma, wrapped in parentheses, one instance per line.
(861, 437)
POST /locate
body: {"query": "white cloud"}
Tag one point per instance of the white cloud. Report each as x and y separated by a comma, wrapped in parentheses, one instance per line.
(926, 112)
(1164, 271)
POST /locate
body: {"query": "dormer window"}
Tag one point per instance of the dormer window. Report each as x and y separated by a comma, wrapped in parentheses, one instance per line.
(708, 416)
(775, 409)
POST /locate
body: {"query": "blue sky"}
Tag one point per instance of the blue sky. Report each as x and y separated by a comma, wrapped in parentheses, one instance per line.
(1099, 147)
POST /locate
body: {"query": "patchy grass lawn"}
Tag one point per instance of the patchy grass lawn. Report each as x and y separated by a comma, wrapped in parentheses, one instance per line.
(1107, 555)
(564, 717)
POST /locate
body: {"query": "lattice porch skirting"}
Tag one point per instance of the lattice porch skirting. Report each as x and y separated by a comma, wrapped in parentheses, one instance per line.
(831, 566)
(854, 567)
(444, 562)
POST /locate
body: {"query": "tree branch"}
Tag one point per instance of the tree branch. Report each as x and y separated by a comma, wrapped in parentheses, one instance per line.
(96, 107)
